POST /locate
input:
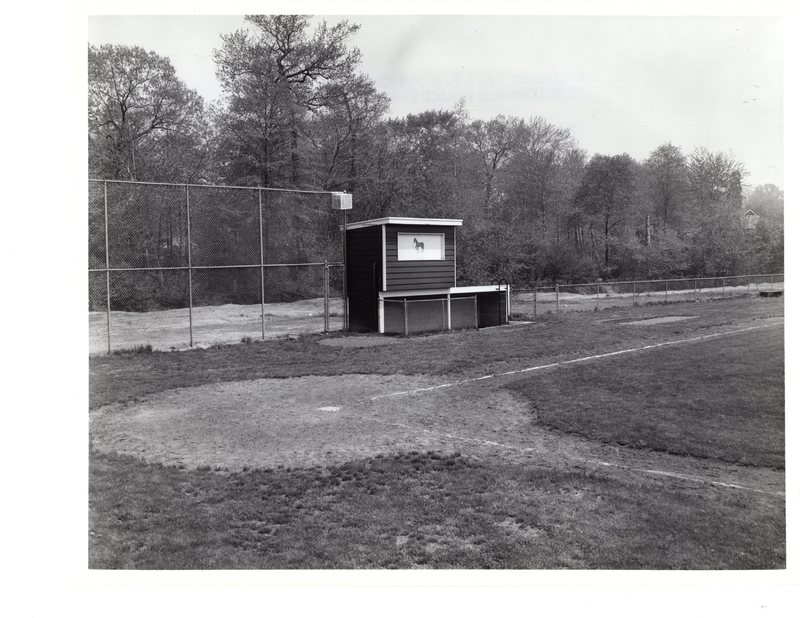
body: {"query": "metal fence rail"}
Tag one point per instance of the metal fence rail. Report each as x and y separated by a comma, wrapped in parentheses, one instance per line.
(162, 255)
(532, 302)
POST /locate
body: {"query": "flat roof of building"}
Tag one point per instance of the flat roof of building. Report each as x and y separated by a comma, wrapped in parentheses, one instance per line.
(404, 221)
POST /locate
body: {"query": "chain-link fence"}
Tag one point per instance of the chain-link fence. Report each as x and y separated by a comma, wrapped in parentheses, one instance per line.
(172, 266)
(529, 303)
(410, 316)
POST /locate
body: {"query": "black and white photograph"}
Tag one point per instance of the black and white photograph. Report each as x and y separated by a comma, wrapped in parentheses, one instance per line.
(432, 294)
(340, 318)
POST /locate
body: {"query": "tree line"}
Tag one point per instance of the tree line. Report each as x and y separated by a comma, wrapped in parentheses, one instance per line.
(296, 112)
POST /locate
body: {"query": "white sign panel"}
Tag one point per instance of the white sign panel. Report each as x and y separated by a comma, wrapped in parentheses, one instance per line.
(420, 247)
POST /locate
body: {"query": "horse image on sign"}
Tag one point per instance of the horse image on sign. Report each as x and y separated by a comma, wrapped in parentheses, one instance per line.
(420, 246)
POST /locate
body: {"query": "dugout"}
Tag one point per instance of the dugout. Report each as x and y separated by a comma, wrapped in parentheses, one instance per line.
(401, 279)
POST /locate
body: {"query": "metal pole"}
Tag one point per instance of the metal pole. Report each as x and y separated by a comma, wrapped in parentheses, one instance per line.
(449, 313)
(405, 317)
(345, 308)
(597, 299)
(261, 252)
(189, 253)
(557, 299)
(108, 273)
(325, 294)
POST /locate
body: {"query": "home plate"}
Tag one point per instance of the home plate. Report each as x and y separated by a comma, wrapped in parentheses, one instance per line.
(329, 408)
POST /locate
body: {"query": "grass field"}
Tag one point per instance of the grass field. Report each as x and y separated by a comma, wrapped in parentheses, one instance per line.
(296, 454)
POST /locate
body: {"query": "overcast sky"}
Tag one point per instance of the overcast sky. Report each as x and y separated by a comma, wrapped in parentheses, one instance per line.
(620, 84)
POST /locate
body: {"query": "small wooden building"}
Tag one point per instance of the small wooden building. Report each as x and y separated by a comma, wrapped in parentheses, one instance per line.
(401, 279)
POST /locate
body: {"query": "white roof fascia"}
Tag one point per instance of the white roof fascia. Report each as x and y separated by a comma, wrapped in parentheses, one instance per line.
(405, 221)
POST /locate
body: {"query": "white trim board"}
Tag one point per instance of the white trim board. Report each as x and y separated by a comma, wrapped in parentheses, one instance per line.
(464, 290)
(405, 221)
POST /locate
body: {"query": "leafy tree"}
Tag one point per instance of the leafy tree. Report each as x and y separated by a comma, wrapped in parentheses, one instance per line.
(495, 141)
(144, 123)
(667, 182)
(766, 201)
(606, 193)
(272, 79)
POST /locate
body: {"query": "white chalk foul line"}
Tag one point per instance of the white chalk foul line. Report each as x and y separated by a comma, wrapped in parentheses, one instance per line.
(528, 450)
(583, 359)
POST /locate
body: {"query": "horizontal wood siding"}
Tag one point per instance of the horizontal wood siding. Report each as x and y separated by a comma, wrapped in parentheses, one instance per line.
(420, 275)
(364, 272)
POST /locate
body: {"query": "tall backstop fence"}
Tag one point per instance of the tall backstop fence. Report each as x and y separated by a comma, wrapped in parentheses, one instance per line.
(529, 303)
(174, 266)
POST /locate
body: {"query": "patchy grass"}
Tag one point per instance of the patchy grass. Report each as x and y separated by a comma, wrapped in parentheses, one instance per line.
(120, 378)
(137, 349)
(721, 399)
(420, 510)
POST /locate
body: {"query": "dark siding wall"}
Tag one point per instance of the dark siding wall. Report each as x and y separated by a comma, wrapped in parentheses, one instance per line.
(363, 279)
(491, 309)
(422, 275)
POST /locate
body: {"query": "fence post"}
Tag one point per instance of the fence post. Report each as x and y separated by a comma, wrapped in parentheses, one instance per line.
(189, 254)
(325, 294)
(345, 304)
(597, 299)
(261, 253)
(557, 303)
(405, 317)
(108, 272)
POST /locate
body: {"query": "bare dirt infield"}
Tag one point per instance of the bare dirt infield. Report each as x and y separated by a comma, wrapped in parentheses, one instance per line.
(261, 423)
